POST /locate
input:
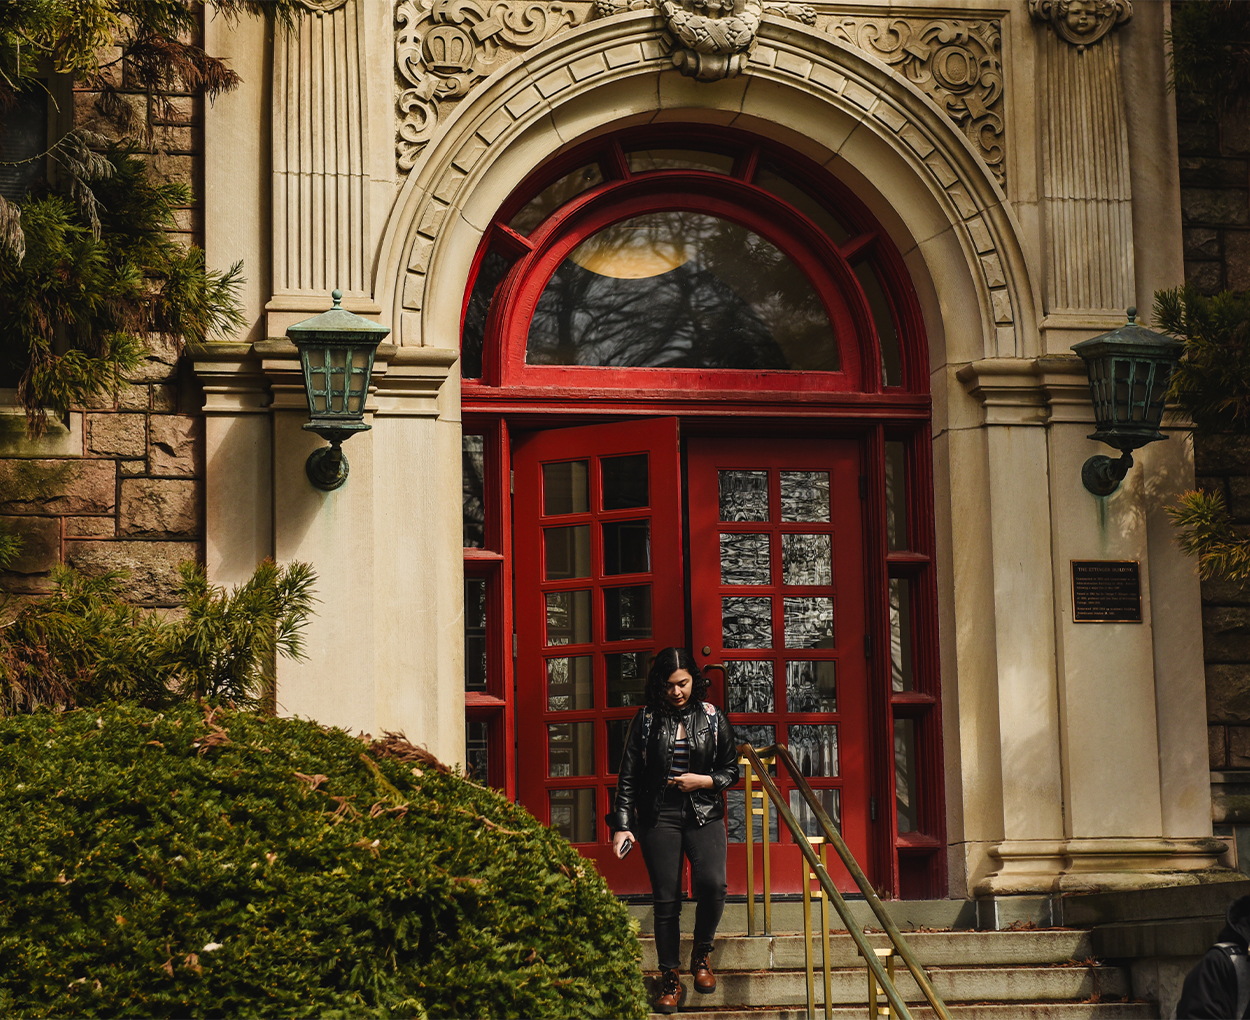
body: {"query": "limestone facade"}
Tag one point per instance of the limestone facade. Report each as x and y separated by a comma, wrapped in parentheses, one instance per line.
(1011, 152)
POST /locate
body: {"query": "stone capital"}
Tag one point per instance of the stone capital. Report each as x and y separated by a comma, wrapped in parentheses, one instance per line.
(408, 382)
(1009, 390)
(1030, 391)
(231, 377)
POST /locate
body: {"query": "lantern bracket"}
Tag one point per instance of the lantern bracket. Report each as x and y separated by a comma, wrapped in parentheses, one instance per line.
(327, 466)
(1103, 475)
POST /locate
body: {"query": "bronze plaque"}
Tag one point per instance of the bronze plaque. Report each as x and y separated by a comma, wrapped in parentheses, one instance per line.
(1106, 591)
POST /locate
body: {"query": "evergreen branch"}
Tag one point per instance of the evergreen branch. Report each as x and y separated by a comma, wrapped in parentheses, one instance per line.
(1207, 532)
(83, 167)
(10, 547)
(1211, 385)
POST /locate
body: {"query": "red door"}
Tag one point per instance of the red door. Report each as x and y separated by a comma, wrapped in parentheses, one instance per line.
(598, 576)
(777, 579)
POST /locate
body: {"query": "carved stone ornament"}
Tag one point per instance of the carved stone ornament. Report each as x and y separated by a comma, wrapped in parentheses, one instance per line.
(957, 63)
(443, 47)
(322, 6)
(713, 38)
(1081, 22)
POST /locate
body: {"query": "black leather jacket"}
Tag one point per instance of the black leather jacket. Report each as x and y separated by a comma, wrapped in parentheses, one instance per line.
(643, 778)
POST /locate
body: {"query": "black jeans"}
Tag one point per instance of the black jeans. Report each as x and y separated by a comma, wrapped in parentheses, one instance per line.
(677, 832)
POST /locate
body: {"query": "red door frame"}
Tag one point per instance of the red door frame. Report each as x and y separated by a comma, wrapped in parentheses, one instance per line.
(658, 439)
(842, 461)
(513, 396)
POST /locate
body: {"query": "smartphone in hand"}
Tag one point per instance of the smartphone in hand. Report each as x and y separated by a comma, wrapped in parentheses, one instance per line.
(626, 847)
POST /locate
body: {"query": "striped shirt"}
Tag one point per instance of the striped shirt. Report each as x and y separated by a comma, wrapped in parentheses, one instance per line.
(681, 758)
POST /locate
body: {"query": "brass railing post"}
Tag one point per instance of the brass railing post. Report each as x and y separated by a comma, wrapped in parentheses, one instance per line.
(810, 894)
(749, 804)
(824, 938)
(765, 837)
(875, 1012)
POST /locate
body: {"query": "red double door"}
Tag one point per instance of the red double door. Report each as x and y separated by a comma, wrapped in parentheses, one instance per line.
(768, 581)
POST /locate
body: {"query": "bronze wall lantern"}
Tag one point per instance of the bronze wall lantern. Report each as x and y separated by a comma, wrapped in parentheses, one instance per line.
(1130, 370)
(336, 350)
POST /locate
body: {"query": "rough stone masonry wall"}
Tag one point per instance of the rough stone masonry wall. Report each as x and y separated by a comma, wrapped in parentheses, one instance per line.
(1214, 156)
(119, 486)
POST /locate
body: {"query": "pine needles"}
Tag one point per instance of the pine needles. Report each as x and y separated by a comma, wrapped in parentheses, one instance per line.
(1208, 532)
(85, 645)
(88, 270)
(84, 297)
(1211, 387)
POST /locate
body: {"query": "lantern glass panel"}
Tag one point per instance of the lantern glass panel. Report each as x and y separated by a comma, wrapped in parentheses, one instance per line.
(336, 360)
(1162, 383)
(356, 394)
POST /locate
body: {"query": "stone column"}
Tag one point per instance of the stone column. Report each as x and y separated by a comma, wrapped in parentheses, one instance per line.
(1116, 723)
(385, 644)
(418, 581)
(1028, 857)
(238, 462)
(334, 532)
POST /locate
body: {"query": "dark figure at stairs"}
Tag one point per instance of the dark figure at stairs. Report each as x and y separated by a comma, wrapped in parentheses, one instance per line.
(1220, 985)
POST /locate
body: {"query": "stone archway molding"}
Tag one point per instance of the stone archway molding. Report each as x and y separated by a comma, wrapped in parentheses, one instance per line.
(420, 258)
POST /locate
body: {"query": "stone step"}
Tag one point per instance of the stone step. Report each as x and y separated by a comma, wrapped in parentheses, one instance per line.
(787, 915)
(975, 1011)
(932, 949)
(775, 988)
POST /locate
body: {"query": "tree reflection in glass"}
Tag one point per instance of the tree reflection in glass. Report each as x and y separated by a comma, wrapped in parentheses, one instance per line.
(681, 289)
(749, 685)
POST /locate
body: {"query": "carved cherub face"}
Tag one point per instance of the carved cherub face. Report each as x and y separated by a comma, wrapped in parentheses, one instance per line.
(1080, 16)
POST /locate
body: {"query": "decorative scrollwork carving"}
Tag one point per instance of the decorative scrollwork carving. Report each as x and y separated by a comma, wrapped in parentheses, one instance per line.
(444, 47)
(713, 38)
(958, 63)
(1081, 22)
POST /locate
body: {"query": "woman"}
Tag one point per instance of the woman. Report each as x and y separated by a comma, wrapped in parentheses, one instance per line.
(679, 759)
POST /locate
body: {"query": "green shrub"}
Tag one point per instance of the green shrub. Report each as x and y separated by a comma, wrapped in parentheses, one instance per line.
(85, 643)
(212, 863)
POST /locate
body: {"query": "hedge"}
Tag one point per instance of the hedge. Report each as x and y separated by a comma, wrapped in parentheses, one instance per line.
(213, 863)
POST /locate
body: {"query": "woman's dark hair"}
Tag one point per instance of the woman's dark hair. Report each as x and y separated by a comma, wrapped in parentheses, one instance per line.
(668, 661)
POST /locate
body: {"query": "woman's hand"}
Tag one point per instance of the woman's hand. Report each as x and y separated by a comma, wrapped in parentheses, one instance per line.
(688, 782)
(618, 840)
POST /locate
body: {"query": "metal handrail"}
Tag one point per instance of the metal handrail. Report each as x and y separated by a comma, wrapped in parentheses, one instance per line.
(834, 838)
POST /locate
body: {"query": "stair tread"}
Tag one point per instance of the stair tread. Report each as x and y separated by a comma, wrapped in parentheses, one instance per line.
(1046, 974)
(972, 1011)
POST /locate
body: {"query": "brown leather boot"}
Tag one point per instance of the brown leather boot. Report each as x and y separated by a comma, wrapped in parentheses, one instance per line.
(672, 992)
(701, 969)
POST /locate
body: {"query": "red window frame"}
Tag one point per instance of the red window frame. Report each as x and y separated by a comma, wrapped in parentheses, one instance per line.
(492, 562)
(852, 402)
